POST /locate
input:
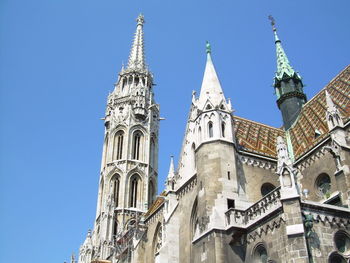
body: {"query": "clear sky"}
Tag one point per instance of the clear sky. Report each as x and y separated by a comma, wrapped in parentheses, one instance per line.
(60, 58)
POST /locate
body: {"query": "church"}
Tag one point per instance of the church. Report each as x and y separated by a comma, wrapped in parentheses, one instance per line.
(242, 191)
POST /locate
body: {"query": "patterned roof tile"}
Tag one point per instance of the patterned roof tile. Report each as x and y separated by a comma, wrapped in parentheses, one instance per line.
(313, 114)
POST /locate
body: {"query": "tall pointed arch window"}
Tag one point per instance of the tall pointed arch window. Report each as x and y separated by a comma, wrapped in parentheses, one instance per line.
(115, 189)
(152, 153)
(137, 145)
(135, 190)
(210, 129)
(115, 228)
(158, 242)
(150, 193)
(118, 145)
(105, 152)
(194, 219)
(223, 129)
(100, 203)
(193, 156)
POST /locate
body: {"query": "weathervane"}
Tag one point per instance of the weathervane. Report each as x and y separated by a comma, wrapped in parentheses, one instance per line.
(273, 22)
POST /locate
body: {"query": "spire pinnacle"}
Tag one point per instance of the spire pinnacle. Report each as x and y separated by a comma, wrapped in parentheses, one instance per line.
(284, 69)
(171, 173)
(333, 116)
(211, 87)
(137, 55)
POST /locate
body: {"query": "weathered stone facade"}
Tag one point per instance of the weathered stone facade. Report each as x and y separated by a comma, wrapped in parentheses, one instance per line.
(242, 191)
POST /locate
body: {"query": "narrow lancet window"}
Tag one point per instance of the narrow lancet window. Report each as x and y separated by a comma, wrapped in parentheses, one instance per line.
(134, 191)
(118, 145)
(116, 184)
(210, 129)
(223, 129)
(136, 151)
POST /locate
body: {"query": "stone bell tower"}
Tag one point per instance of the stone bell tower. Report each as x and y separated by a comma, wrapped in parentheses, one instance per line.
(129, 169)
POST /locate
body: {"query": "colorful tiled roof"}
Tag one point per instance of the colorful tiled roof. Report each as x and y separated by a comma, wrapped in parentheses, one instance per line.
(308, 130)
(312, 117)
(256, 137)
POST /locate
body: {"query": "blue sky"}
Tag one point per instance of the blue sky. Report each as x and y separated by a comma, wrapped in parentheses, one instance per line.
(59, 60)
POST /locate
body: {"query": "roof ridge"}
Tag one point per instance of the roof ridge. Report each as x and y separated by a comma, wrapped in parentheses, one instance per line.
(336, 78)
(259, 123)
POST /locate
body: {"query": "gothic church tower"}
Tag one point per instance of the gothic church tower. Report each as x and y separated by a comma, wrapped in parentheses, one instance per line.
(129, 169)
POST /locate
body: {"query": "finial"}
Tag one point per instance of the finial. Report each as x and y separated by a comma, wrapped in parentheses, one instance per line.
(208, 47)
(273, 22)
(140, 20)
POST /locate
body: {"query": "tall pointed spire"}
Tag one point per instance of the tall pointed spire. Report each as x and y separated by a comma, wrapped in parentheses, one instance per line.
(171, 173)
(137, 55)
(211, 88)
(170, 181)
(288, 85)
(284, 69)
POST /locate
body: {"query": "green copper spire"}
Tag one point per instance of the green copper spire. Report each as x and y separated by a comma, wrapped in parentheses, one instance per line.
(288, 84)
(284, 69)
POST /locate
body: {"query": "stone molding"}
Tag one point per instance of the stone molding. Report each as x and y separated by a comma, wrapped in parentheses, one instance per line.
(255, 162)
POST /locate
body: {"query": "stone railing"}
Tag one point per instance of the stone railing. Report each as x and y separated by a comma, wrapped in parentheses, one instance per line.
(265, 206)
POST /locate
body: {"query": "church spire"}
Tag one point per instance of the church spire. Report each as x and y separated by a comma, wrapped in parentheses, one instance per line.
(211, 88)
(284, 69)
(288, 84)
(137, 55)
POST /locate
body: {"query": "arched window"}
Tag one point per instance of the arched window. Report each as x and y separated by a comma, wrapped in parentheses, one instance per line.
(193, 156)
(158, 240)
(101, 195)
(200, 133)
(115, 228)
(267, 188)
(260, 254)
(137, 145)
(323, 185)
(152, 153)
(118, 145)
(210, 129)
(135, 191)
(342, 242)
(194, 220)
(150, 193)
(105, 152)
(223, 129)
(115, 189)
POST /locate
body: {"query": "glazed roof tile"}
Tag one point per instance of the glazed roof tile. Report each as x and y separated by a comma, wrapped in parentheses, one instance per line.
(256, 137)
(308, 130)
(313, 114)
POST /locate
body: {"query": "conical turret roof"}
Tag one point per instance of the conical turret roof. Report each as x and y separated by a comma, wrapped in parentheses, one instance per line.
(211, 88)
